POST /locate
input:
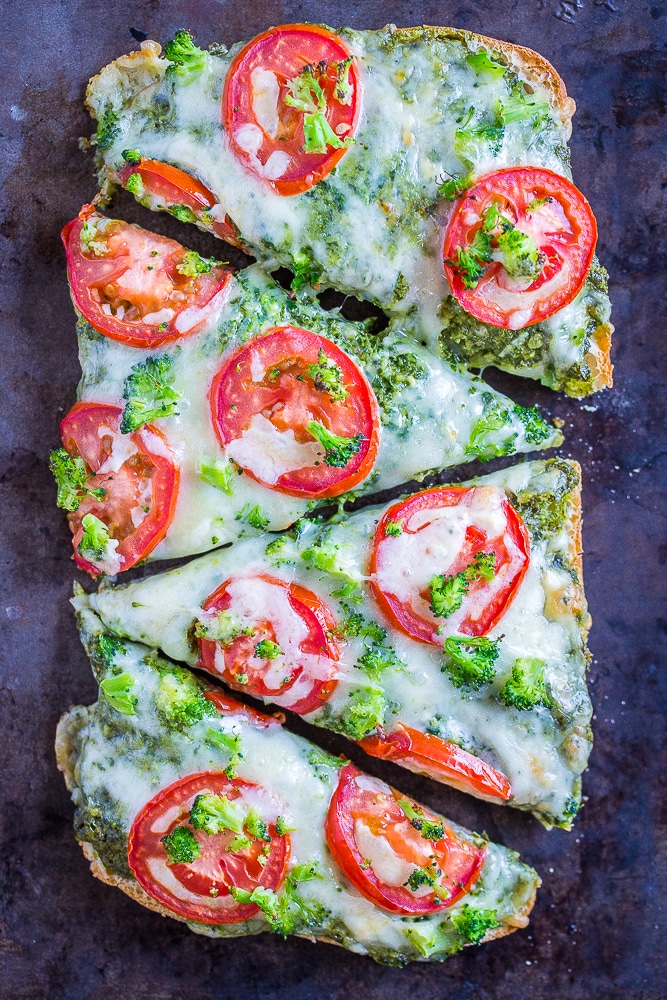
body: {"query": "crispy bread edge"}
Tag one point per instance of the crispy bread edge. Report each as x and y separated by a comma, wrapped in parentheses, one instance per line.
(66, 760)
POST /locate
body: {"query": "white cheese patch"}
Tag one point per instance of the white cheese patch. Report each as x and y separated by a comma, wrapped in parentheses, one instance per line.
(265, 94)
(389, 867)
(155, 318)
(269, 453)
(276, 164)
(122, 448)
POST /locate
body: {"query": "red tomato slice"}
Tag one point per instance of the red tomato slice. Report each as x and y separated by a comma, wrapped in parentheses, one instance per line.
(139, 480)
(175, 187)
(429, 755)
(301, 675)
(263, 400)
(267, 133)
(546, 207)
(125, 281)
(199, 890)
(377, 847)
(443, 531)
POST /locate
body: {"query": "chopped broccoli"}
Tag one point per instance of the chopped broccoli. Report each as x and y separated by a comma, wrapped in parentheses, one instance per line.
(149, 393)
(376, 659)
(495, 417)
(231, 742)
(187, 60)
(306, 94)
(238, 843)
(282, 828)
(470, 661)
(482, 62)
(256, 826)
(267, 650)
(279, 551)
(364, 713)
(319, 760)
(393, 528)
(521, 257)
(447, 592)
(254, 517)
(109, 647)
(71, 477)
(425, 944)
(222, 628)
(428, 829)
(328, 377)
(182, 212)
(343, 88)
(135, 185)
(338, 450)
(471, 261)
(286, 911)
(545, 509)
(215, 813)
(192, 264)
(218, 474)
(355, 624)
(454, 187)
(95, 541)
(490, 133)
(108, 130)
(526, 688)
(305, 270)
(318, 135)
(473, 924)
(536, 429)
(180, 700)
(117, 690)
(328, 557)
(519, 106)
(428, 876)
(181, 846)
(132, 156)
(89, 238)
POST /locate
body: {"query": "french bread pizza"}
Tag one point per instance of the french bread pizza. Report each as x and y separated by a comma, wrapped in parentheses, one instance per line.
(213, 405)
(207, 811)
(426, 169)
(445, 631)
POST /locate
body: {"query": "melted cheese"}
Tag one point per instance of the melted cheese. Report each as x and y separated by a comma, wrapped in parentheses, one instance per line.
(270, 453)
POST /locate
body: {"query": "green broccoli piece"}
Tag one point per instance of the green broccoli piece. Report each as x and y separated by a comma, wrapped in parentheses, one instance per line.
(447, 592)
(256, 826)
(355, 624)
(319, 135)
(319, 760)
(545, 510)
(279, 551)
(526, 688)
(108, 647)
(181, 846)
(428, 829)
(521, 257)
(95, 540)
(328, 377)
(495, 417)
(180, 700)
(454, 187)
(218, 474)
(473, 924)
(536, 429)
(117, 690)
(428, 876)
(286, 911)
(519, 106)
(223, 629)
(71, 477)
(267, 650)
(490, 133)
(149, 393)
(215, 813)
(470, 661)
(231, 742)
(306, 94)
(132, 156)
(378, 658)
(108, 130)
(337, 450)
(135, 185)
(192, 264)
(305, 271)
(393, 528)
(343, 87)
(253, 516)
(482, 62)
(364, 713)
(470, 262)
(187, 60)
(182, 212)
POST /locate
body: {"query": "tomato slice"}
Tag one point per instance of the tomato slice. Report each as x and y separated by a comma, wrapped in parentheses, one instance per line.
(267, 399)
(428, 754)
(291, 104)
(175, 187)
(126, 281)
(199, 889)
(139, 480)
(380, 841)
(446, 533)
(532, 237)
(295, 665)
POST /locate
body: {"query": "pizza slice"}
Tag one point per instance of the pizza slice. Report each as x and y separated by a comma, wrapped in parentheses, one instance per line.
(445, 631)
(422, 168)
(213, 405)
(208, 811)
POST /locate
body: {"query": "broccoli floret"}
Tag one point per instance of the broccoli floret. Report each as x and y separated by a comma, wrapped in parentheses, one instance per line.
(182, 212)
(181, 846)
(470, 262)
(305, 271)
(95, 541)
(482, 62)
(149, 393)
(521, 257)
(364, 713)
(519, 106)
(71, 477)
(254, 517)
(337, 450)
(192, 264)
(319, 760)
(187, 59)
(132, 156)
(470, 661)
(447, 592)
(495, 417)
(393, 528)
(256, 826)
(491, 133)
(429, 876)
(218, 474)
(231, 742)
(454, 187)
(343, 87)
(135, 185)
(306, 94)
(536, 429)
(473, 924)
(545, 510)
(108, 647)
(108, 130)
(279, 551)
(286, 911)
(222, 628)
(355, 624)
(328, 377)
(180, 700)
(526, 688)
(267, 650)
(378, 658)
(215, 813)
(428, 829)
(117, 690)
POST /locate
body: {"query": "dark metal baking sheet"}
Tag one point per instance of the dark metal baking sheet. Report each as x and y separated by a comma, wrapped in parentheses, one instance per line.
(599, 923)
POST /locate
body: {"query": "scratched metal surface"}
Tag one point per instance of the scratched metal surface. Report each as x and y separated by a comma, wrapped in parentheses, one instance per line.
(599, 922)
